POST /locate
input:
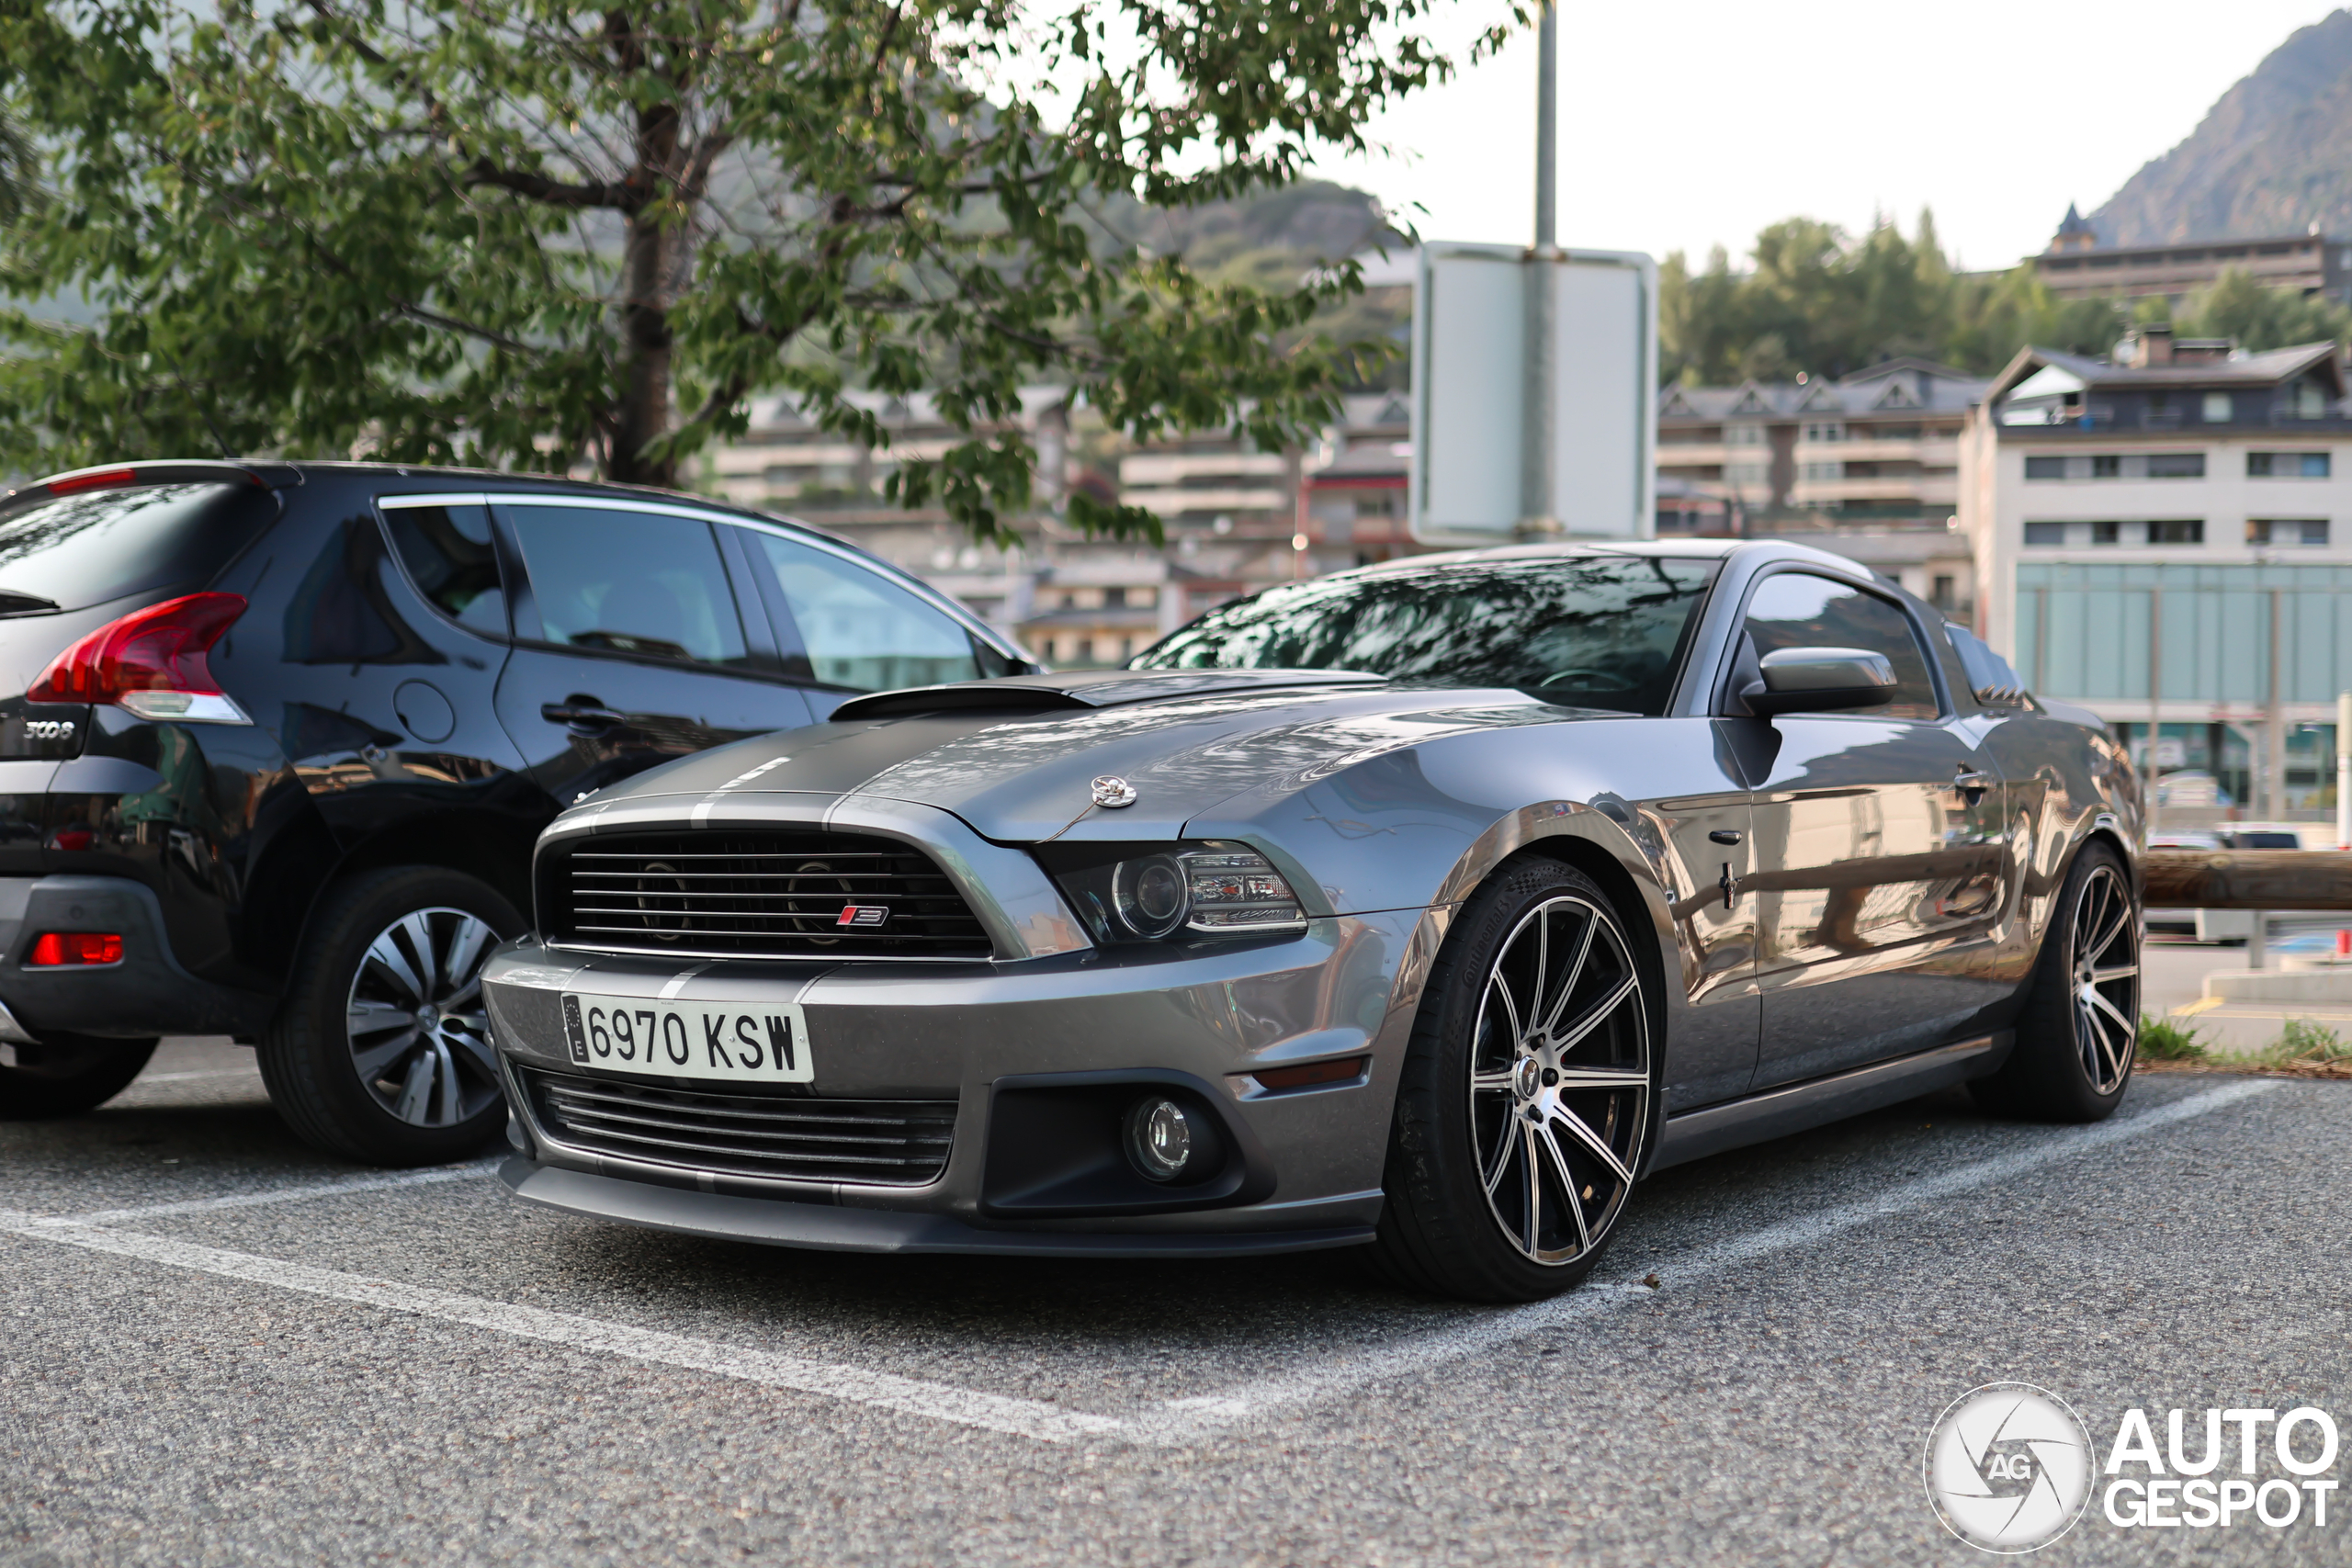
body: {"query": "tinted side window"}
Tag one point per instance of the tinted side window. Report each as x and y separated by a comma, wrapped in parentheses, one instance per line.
(1796, 609)
(861, 629)
(448, 555)
(639, 582)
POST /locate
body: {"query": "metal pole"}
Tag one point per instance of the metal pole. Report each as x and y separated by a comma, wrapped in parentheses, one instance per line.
(2155, 701)
(2274, 735)
(1535, 480)
(2344, 770)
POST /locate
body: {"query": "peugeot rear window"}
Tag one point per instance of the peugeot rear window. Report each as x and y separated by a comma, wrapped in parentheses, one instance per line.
(79, 550)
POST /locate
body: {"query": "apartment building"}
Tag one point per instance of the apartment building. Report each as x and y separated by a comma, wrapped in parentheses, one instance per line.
(2166, 538)
(1867, 466)
(2076, 266)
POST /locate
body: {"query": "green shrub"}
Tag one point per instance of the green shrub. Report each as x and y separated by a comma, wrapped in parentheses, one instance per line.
(2305, 1041)
(2164, 1040)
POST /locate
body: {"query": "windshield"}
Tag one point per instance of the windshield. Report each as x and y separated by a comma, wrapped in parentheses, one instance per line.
(1583, 631)
(85, 549)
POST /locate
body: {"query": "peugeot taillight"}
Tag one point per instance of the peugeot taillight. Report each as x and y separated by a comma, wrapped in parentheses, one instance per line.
(150, 662)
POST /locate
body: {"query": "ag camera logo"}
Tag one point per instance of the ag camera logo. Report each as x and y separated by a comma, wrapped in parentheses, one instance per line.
(2008, 1467)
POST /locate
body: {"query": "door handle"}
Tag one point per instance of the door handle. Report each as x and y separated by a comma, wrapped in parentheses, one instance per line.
(1971, 784)
(1729, 883)
(581, 713)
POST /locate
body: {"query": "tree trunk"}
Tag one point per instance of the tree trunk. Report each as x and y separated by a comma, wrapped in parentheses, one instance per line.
(642, 415)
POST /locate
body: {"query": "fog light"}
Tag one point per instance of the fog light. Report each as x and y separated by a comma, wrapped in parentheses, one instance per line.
(77, 947)
(1160, 1138)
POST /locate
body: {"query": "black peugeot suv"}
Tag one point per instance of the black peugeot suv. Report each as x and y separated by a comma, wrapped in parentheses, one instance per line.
(285, 732)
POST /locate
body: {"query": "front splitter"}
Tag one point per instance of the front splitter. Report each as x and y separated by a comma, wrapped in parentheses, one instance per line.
(830, 1228)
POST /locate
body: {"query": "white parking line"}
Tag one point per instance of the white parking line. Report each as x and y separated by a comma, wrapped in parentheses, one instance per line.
(1022, 1417)
(1191, 1420)
(289, 1194)
(1174, 1422)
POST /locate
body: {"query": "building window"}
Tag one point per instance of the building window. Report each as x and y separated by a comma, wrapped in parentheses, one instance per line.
(1824, 470)
(1829, 431)
(2287, 465)
(1941, 596)
(2107, 468)
(1744, 473)
(2269, 531)
(2177, 465)
(2176, 531)
(2045, 467)
(2308, 401)
(1114, 598)
(2217, 408)
(2051, 534)
(2107, 532)
(1743, 436)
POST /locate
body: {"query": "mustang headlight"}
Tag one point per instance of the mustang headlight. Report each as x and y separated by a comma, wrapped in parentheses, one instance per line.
(1148, 892)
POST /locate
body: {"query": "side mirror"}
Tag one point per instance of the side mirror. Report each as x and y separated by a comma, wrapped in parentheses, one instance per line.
(1819, 680)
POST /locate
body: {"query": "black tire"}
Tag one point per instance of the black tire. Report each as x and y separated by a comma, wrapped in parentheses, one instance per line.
(1483, 1093)
(2073, 1058)
(401, 1093)
(68, 1073)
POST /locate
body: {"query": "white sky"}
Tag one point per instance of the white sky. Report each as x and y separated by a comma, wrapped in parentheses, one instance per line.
(1691, 123)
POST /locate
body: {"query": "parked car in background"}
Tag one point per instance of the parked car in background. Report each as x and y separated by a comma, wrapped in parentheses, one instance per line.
(279, 737)
(1424, 907)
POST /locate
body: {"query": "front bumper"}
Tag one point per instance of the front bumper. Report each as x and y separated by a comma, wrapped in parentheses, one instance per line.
(977, 1036)
(146, 995)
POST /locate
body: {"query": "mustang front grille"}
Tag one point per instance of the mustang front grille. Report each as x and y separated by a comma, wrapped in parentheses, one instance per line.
(764, 894)
(892, 1142)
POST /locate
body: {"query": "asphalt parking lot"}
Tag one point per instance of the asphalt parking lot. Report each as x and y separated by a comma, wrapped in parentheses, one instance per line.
(223, 1349)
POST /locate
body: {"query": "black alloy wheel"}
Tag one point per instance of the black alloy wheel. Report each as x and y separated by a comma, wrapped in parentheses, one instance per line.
(1527, 1096)
(2079, 1034)
(380, 1051)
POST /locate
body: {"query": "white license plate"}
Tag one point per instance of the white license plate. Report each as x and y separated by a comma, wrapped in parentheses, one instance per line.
(766, 1044)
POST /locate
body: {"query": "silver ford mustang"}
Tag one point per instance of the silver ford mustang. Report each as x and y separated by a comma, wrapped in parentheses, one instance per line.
(1424, 907)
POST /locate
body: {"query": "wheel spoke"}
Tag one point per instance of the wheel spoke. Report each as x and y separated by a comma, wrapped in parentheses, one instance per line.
(2108, 1008)
(1504, 1142)
(386, 954)
(1543, 963)
(446, 1113)
(1484, 1083)
(1575, 973)
(419, 928)
(1600, 1013)
(2120, 971)
(1501, 987)
(1568, 1185)
(467, 944)
(372, 1061)
(1534, 1191)
(374, 1018)
(1602, 1077)
(1595, 1144)
(416, 1090)
(2113, 928)
(477, 1046)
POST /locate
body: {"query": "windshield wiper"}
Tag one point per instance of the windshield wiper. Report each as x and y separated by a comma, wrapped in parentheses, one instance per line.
(16, 603)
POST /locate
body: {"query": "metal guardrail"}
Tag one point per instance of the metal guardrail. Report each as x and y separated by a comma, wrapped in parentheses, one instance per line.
(2248, 879)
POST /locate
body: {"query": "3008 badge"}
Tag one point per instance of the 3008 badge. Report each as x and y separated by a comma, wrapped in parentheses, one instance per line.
(768, 1043)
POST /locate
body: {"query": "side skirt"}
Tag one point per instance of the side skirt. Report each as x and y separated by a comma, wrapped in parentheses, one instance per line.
(1698, 1134)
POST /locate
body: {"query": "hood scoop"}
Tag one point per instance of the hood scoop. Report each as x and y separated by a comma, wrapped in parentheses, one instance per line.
(1089, 689)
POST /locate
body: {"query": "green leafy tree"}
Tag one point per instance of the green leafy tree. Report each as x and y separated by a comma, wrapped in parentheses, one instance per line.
(525, 233)
(2236, 307)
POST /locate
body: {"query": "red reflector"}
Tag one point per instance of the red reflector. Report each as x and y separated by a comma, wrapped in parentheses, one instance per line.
(1311, 1072)
(96, 478)
(77, 947)
(159, 649)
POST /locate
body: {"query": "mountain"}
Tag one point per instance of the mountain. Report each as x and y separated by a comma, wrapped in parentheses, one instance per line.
(2272, 157)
